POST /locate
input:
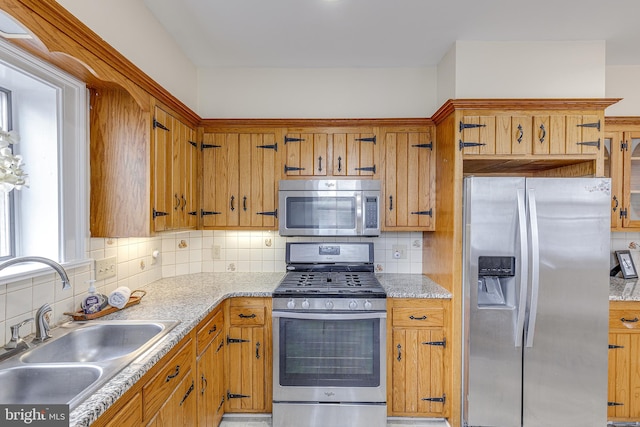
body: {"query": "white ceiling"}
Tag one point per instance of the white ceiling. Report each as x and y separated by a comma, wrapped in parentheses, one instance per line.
(385, 33)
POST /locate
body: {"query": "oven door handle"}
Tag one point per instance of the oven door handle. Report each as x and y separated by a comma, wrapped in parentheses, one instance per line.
(329, 315)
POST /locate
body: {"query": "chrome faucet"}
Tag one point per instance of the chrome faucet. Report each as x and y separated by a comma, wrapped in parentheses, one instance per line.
(42, 324)
(57, 267)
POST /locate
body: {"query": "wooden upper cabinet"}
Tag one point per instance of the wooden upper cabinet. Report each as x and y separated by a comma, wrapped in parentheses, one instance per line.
(537, 134)
(330, 152)
(175, 167)
(306, 154)
(409, 179)
(239, 179)
(354, 154)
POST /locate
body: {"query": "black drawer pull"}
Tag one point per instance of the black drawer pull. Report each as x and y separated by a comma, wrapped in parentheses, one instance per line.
(634, 320)
(244, 316)
(412, 317)
(212, 330)
(175, 374)
(399, 347)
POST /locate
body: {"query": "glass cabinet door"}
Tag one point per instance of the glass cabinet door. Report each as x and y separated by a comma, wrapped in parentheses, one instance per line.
(632, 179)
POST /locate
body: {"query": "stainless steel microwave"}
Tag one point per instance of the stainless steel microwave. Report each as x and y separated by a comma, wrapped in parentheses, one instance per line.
(329, 207)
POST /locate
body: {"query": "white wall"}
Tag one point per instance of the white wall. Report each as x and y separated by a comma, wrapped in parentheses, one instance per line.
(316, 92)
(623, 81)
(447, 77)
(131, 28)
(529, 69)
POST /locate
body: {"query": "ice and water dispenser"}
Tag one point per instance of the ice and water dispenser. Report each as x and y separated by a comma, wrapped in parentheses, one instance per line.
(496, 281)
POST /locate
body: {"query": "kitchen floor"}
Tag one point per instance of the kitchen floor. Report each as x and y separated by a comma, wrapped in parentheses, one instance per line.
(265, 421)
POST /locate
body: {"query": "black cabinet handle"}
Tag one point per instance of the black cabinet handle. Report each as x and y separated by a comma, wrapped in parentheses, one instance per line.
(244, 203)
(212, 330)
(177, 205)
(184, 202)
(258, 350)
(412, 317)
(320, 164)
(204, 384)
(544, 133)
(233, 208)
(634, 320)
(520, 134)
(175, 374)
(339, 164)
(399, 347)
(390, 203)
(245, 316)
(187, 393)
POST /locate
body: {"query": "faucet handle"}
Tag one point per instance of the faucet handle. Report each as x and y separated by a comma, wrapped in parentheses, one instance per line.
(15, 333)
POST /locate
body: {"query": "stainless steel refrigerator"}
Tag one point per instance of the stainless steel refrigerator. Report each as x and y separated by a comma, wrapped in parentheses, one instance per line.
(535, 318)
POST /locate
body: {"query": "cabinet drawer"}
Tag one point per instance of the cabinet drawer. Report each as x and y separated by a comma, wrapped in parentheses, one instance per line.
(158, 389)
(624, 320)
(209, 331)
(246, 316)
(417, 317)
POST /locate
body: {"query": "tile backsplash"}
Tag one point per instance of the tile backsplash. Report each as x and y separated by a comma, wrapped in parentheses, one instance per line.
(194, 252)
(178, 254)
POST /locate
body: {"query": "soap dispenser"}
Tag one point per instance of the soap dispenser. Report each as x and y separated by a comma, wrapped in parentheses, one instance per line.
(93, 302)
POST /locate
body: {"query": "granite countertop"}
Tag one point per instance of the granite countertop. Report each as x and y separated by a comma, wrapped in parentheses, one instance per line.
(624, 289)
(189, 299)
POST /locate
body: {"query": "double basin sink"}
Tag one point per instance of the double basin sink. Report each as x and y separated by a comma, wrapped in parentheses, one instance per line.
(79, 359)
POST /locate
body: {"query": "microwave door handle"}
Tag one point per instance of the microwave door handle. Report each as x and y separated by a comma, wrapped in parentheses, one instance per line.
(524, 264)
(359, 212)
(535, 266)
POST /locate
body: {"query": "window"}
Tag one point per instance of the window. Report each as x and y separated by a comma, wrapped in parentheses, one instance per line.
(6, 199)
(48, 109)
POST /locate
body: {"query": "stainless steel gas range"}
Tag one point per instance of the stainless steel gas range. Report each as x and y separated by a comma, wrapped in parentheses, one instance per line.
(329, 335)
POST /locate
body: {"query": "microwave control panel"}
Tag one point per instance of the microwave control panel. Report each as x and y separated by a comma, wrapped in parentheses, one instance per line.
(371, 212)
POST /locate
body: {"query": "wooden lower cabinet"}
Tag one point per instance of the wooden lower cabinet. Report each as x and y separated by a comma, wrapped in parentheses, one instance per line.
(210, 370)
(180, 408)
(130, 415)
(417, 358)
(624, 361)
(248, 355)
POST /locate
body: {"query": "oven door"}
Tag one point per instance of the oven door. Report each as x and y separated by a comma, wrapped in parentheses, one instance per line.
(329, 357)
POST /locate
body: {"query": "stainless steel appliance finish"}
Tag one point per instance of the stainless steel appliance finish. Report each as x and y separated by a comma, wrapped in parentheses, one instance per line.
(329, 207)
(535, 318)
(329, 338)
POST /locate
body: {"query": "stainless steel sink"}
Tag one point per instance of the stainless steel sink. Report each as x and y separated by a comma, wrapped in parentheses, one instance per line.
(95, 343)
(79, 359)
(46, 384)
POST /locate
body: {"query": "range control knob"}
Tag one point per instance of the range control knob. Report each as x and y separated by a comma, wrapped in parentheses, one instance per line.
(291, 304)
(305, 304)
(367, 305)
(329, 304)
(353, 304)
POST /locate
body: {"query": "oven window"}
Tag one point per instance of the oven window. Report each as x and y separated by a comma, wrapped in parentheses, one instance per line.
(321, 213)
(340, 353)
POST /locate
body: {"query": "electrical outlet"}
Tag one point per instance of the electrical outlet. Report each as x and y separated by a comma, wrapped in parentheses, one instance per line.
(215, 252)
(399, 251)
(105, 268)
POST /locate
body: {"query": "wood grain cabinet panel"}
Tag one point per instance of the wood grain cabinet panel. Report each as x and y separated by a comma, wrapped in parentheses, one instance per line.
(210, 387)
(239, 179)
(248, 355)
(417, 358)
(624, 362)
(409, 180)
(143, 167)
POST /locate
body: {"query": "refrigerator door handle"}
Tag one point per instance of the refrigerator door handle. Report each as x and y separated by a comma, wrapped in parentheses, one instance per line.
(524, 272)
(535, 266)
